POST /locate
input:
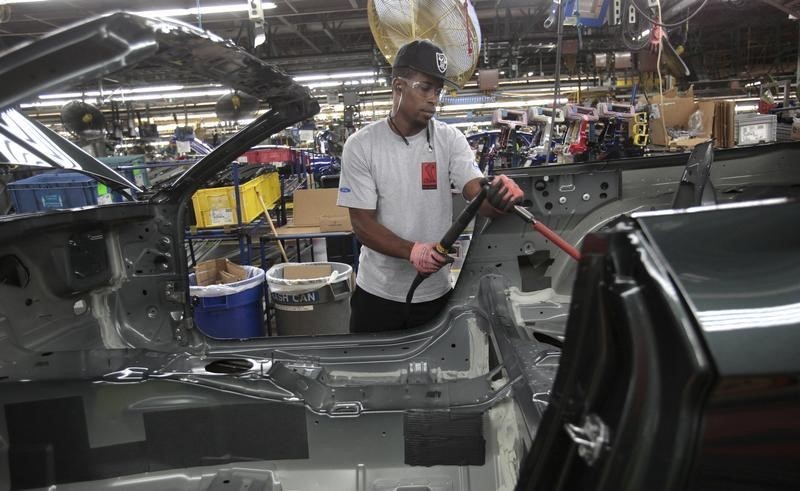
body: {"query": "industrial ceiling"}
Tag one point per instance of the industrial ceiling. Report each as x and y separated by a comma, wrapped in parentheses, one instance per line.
(729, 41)
(318, 35)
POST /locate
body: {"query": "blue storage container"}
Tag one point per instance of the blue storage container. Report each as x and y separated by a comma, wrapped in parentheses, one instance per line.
(236, 316)
(137, 176)
(55, 190)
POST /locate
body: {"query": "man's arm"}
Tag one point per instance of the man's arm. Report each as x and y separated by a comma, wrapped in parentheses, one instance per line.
(502, 195)
(423, 256)
(471, 189)
(377, 237)
(503, 192)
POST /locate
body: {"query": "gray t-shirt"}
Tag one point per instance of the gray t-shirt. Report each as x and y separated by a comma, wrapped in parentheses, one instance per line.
(409, 186)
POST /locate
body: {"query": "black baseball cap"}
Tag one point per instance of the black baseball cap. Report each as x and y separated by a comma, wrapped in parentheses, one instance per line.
(425, 57)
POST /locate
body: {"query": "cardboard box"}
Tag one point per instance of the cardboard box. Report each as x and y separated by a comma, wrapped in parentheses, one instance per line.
(317, 208)
(724, 124)
(306, 271)
(488, 79)
(675, 111)
(218, 271)
(334, 223)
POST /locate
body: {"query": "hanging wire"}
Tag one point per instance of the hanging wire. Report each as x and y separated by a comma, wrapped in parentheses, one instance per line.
(557, 87)
(658, 70)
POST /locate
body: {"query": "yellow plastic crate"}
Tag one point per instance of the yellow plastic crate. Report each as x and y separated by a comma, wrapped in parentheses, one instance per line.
(216, 207)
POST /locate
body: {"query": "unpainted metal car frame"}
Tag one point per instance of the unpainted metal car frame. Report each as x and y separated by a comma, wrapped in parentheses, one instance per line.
(634, 369)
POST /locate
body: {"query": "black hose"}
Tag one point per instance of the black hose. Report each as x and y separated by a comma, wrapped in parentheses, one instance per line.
(449, 238)
(410, 295)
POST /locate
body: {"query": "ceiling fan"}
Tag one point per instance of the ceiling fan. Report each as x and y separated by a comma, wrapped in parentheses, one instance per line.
(450, 24)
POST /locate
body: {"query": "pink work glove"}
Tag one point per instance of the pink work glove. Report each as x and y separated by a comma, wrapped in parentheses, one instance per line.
(504, 193)
(425, 258)
(656, 35)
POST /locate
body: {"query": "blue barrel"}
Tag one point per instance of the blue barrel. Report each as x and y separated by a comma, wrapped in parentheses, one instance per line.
(238, 315)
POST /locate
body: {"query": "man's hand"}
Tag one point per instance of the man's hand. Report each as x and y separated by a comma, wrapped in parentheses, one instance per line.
(425, 258)
(504, 193)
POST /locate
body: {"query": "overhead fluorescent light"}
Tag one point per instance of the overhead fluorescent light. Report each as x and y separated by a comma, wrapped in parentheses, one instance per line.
(470, 124)
(320, 85)
(47, 103)
(9, 2)
(332, 76)
(208, 9)
(174, 95)
(128, 96)
(498, 105)
(157, 88)
(347, 83)
(208, 115)
(65, 95)
(135, 90)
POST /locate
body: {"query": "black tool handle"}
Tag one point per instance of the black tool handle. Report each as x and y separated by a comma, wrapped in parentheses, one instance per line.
(452, 234)
(462, 221)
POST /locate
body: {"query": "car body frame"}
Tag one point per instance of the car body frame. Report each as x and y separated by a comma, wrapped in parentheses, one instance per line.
(628, 370)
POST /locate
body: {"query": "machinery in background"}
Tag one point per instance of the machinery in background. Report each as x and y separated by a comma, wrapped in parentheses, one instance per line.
(615, 140)
(580, 133)
(505, 147)
(485, 145)
(87, 125)
(611, 130)
(541, 120)
(506, 151)
(83, 120)
(236, 106)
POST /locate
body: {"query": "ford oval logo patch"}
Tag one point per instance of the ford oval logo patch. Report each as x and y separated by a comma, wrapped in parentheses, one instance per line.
(344, 190)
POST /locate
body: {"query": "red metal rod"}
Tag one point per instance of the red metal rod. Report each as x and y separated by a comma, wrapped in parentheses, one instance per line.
(542, 229)
(558, 241)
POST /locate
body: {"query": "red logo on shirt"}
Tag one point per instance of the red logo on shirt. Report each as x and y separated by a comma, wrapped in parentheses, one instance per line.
(429, 180)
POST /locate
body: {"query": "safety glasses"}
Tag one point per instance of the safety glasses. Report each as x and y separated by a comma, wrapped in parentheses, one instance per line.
(427, 89)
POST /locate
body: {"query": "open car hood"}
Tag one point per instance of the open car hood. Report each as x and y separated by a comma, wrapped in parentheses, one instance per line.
(114, 42)
(24, 141)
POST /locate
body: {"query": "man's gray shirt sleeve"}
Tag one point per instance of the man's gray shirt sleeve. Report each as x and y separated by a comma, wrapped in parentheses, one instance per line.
(356, 184)
(463, 167)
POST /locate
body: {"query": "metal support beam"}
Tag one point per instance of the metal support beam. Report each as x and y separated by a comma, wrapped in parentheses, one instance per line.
(289, 4)
(327, 30)
(296, 31)
(300, 35)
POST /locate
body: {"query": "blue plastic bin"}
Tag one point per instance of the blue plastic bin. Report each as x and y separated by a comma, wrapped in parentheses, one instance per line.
(137, 176)
(236, 316)
(56, 189)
